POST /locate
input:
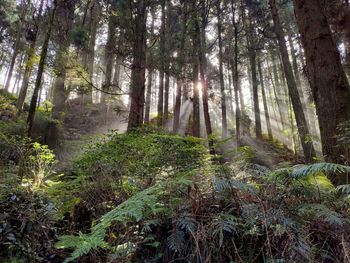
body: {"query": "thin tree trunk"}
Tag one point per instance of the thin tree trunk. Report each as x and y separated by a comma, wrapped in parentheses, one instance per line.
(166, 96)
(266, 110)
(161, 71)
(252, 59)
(203, 75)
(195, 70)
(221, 74)
(303, 129)
(148, 96)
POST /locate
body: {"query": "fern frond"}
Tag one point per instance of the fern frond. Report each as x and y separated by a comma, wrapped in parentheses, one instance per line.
(225, 223)
(319, 211)
(344, 189)
(176, 241)
(187, 223)
(305, 170)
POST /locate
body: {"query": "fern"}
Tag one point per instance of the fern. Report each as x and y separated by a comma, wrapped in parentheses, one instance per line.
(344, 189)
(176, 241)
(133, 209)
(223, 184)
(319, 211)
(187, 223)
(305, 170)
(225, 223)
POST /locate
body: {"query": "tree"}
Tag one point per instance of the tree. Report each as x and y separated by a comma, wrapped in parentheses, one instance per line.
(221, 73)
(304, 134)
(63, 22)
(266, 110)
(328, 82)
(180, 65)
(195, 70)
(203, 73)
(162, 68)
(137, 84)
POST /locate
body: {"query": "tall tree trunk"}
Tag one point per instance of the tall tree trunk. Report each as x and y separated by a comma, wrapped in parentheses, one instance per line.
(180, 65)
(34, 100)
(266, 110)
(195, 70)
(137, 85)
(65, 17)
(148, 96)
(89, 54)
(252, 60)
(109, 53)
(162, 68)
(150, 72)
(203, 75)
(303, 129)
(221, 74)
(326, 75)
(235, 76)
(166, 95)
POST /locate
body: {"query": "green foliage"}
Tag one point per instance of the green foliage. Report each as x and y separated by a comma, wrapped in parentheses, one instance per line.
(26, 226)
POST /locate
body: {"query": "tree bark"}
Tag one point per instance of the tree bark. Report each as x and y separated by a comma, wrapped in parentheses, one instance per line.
(161, 70)
(328, 82)
(64, 20)
(266, 110)
(109, 53)
(195, 71)
(203, 75)
(137, 85)
(180, 65)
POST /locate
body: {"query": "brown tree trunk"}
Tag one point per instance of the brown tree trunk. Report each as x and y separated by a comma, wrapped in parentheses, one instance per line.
(252, 60)
(180, 65)
(150, 72)
(303, 129)
(166, 95)
(326, 75)
(89, 56)
(235, 76)
(65, 17)
(148, 96)
(266, 110)
(109, 53)
(137, 85)
(203, 76)
(161, 70)
(195, 70)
